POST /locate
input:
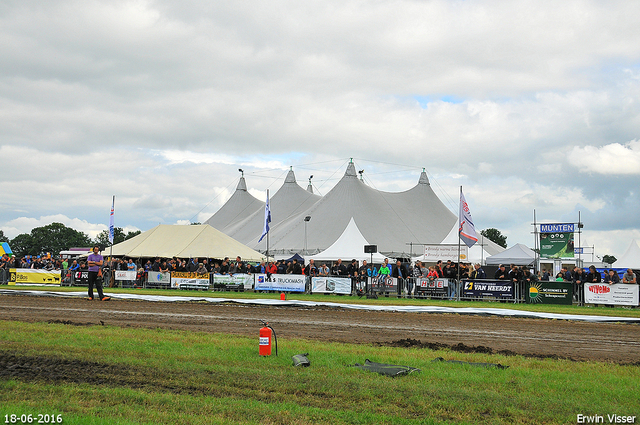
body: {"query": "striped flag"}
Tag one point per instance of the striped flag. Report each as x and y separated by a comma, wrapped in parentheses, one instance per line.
(467, 229)
(267, 218)
(111, 228)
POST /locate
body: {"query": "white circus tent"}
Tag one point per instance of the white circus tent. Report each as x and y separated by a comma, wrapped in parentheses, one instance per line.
(350, 245)
(631, 257)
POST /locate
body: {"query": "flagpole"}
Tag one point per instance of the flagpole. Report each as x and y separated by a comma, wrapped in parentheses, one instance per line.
(112, 229)
(459, 230)
(267, 231)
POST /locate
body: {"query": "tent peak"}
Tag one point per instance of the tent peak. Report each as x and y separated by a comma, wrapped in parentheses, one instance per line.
(423, 178)
(291, 177)
(351, 170)
(242, 185)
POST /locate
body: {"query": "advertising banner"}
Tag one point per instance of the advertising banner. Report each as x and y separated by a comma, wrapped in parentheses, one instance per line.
(125, 274)
(34, 276)
(189, 280)
(487, 288)
(81, 278)
(616, 294)
(280, 282)
(437, 287)
(551, 292)
(444, 252)
(383, 284)
(331, 285)
(556, 240)
(236, 281)
(157, 277)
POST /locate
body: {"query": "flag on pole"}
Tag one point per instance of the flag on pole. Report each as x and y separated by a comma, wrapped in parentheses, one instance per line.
(267, 219)
(467, 229)
(111, 228)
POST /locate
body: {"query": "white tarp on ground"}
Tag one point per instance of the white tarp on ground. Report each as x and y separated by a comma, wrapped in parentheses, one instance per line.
(191, 241)
(520, 255)
(349, 245)
(279, 303)
(631, 258)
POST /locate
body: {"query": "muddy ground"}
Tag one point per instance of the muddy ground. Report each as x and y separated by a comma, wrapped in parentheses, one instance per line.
(580, 341)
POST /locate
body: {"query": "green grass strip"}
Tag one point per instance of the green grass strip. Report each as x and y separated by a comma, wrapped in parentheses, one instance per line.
(108, 375)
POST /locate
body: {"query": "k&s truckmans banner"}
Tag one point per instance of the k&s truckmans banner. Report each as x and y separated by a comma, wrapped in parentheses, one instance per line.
(189, 279)
(34, 276)
(331, 285)
(280, 282)
(556, 240)
(552, 292)
(618, 293)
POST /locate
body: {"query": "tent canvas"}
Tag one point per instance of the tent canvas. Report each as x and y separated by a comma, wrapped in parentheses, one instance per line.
(202, 241)
(631, 258)
(296, 257)
(349, 245)
(518, 254)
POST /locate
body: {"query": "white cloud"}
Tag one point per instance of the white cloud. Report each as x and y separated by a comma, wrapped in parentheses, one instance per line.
(160, 103)
(614, 158)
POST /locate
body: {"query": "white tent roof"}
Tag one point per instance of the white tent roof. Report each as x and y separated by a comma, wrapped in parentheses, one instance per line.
(389, 220)
(518, 254)
(631, 258)
(240, 206)
(288, 201)
(202, 241)
(349, 245)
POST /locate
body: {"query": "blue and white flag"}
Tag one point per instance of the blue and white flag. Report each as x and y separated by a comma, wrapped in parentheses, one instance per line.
(111, 228)
(267, 219)
(467, 229)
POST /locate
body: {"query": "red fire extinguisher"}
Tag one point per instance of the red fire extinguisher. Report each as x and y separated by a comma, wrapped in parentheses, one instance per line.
(265, 339)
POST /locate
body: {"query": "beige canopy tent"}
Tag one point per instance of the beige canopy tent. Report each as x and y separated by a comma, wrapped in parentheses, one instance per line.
(190, 241)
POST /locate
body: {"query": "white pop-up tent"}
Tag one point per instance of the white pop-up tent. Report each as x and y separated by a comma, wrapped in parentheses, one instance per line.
(201, 241)
(350, 245)
(631, 258)
(519, 254)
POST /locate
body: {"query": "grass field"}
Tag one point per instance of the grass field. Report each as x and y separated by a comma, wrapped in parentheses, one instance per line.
(108, 375)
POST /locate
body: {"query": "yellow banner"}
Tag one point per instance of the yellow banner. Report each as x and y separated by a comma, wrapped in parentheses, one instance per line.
(33, 276)
(189, 275)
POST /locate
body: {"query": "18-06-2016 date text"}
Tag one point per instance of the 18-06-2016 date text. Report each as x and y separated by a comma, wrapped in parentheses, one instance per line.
(40, 418)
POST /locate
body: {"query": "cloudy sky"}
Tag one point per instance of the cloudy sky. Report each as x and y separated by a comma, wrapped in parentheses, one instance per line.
(529, 105)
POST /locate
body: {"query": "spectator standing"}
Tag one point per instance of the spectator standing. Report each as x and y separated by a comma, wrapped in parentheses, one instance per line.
(501, 273)
(95, 261)
(579, 278)
(629, 277)
(400, 272)
(339, 269)
(384, 268)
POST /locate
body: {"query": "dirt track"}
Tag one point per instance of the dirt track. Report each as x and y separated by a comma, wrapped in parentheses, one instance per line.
(614, 342)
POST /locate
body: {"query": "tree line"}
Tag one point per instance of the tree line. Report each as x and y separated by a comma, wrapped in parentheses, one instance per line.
(56, 237)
